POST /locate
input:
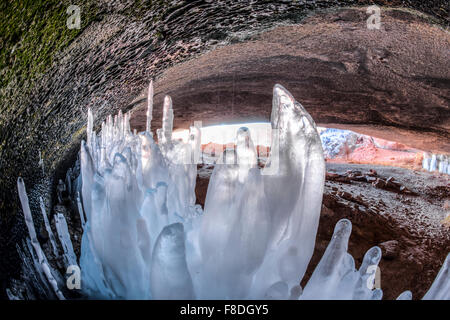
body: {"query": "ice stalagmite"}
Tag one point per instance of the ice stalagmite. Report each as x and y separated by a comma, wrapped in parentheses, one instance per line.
(80, 210)
(165, 133)
(43, 263)
(405, 295)
(149, 107)
(293, 186)
(127, 196)
(155, 214)
(180, 160)
(94, 282)
(443, 164)
(258, 229)
(70, 259)
(433, 163)
(335, 276)
(144, 237)
(152, 166)
(170, 277)
(234, 230)
(127, 276)
(436, 162)
(245, 153)
(51, 236)
(440, 289)
(87, 174)
(90, 128)
(426, 161)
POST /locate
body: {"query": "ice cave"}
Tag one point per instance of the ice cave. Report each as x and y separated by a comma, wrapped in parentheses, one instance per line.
(145, 238)
(230, 150)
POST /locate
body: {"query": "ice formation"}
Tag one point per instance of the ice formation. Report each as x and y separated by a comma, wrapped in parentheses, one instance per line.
(139, 200)
(440, 289)
(41, 260)
(145, 238)
(51, 236)
(336, 278)
(436, 162)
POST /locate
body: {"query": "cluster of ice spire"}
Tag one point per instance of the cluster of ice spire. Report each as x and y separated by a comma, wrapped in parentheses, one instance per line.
(436, 162)
(144, 237)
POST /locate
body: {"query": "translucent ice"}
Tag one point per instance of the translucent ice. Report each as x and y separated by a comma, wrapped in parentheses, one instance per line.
(41, 259)
(144, 236)
(293, 186)
(170, 277)
(51, 236)
(70, 258)
(335, 277)
(440, 289)
(436, 162)
(149, 107)
(406, 295)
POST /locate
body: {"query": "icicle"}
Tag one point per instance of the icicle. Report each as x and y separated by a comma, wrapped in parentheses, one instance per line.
(426, 161)
(36, 245)
(149, 107)
(127, 128)
(144, 237)
(90, 128)
(433, 163)
(405, 295)
(195, 138)
(64, 238)
(335, 276)
(170, 278)
(87, 174)
(325, 279)
(32, 268)
(167, 121)
(48, 228)
(80, 211)
(296, 163)
(245, 153)
(443, 164)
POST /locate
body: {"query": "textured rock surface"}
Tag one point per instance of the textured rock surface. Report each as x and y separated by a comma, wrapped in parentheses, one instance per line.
(392, 80)
(107, 66)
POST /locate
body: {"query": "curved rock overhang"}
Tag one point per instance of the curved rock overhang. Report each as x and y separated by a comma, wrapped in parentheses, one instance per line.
(392, 83)
(219, 62)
